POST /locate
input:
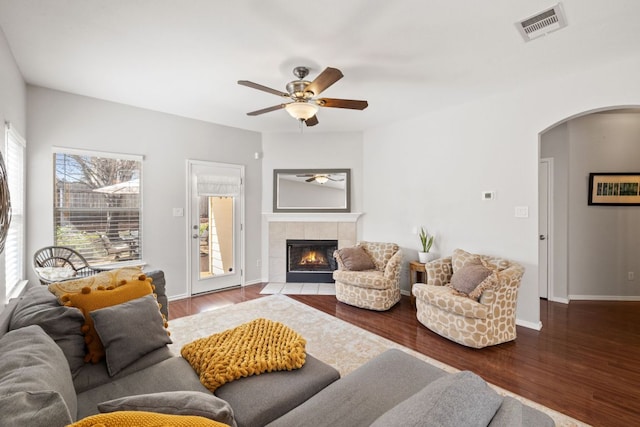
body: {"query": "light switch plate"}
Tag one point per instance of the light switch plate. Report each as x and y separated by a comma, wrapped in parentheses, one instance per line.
(178, 212)
(522, 211)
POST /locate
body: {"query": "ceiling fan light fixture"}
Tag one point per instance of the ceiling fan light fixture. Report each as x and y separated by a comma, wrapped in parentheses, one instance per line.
(321, 179)
(301, 110)
(303, 104)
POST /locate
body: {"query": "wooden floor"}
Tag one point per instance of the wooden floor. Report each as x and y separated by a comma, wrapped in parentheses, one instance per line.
(585, 362)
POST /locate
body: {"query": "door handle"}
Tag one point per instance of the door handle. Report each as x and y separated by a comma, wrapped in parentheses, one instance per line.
(195, 236)
(543, 237)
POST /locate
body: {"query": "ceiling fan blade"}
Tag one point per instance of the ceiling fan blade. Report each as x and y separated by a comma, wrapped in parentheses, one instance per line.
(326, 78)
(342, 103)
(311, 121)
(313, 178)
(266, 110)
(253, 85)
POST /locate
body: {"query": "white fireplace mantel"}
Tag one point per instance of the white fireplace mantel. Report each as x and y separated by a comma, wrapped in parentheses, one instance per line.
(312, 216)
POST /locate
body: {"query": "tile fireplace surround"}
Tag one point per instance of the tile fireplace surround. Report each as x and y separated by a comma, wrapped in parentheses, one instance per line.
(317, 226)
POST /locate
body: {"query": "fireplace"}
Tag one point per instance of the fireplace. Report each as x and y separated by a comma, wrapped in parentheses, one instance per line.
(311, 260)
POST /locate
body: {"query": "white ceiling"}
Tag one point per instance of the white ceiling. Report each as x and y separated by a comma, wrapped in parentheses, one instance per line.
(405, 56)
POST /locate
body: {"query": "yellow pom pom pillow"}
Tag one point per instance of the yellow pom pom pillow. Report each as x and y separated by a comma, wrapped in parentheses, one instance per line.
(90, 300)
(105, 279)
(144, 419)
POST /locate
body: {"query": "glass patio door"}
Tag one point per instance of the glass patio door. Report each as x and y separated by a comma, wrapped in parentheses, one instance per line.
(215, 226)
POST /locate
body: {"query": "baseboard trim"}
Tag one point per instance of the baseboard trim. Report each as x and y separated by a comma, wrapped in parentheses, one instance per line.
(531, 325)
(604, 297)
(177, 297)
(560, 300)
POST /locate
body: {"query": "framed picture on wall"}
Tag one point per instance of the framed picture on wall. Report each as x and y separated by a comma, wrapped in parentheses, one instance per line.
(614, 189)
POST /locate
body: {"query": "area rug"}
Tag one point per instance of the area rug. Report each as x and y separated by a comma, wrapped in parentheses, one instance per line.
(299, 288)
(338, 343)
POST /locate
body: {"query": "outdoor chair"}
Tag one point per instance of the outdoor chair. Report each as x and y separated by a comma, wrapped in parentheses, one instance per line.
(117, 250)
(58, 263)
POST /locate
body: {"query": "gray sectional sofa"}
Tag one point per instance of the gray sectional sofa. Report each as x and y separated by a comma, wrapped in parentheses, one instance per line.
(42, 383)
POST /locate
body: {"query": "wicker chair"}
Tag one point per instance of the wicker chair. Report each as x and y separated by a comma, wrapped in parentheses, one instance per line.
(60, 257)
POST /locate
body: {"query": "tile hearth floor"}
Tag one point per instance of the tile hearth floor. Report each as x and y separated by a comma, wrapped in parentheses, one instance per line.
(298, 288)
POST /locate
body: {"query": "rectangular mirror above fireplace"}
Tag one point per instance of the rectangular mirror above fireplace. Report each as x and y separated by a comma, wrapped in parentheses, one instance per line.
(312, 190)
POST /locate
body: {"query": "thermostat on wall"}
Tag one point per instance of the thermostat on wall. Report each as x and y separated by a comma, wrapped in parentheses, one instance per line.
(488, 195)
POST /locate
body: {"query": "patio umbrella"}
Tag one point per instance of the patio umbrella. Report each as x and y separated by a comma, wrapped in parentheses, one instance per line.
(122, 188)
(126, 187)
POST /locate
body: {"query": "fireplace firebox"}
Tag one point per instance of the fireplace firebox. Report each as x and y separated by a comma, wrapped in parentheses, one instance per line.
(311, 260)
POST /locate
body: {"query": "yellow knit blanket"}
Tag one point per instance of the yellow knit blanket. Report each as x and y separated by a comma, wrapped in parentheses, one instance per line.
(252, 348)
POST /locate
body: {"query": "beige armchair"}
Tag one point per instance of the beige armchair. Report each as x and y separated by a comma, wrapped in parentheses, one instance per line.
(368, 275)
(489, 320)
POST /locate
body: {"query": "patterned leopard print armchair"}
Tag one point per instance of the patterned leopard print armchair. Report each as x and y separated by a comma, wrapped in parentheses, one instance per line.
(377, 288)
(489, 320)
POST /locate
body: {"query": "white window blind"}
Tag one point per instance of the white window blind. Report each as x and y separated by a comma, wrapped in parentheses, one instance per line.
(218, 185)
(14, 247)
(97, 205)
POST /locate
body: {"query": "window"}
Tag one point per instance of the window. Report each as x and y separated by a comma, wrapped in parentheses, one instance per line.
(14, 246)
(97, 205)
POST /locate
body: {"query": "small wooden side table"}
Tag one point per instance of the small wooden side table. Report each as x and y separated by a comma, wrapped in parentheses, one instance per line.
(416, 267)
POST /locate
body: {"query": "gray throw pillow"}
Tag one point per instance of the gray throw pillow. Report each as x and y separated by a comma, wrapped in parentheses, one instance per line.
(509, 414)
(6, 313)
(130, 330)
(175, 403)
(356, 259)
(159, 288)
(462, 399)
(36, 388)
(63, 324)
(469, 277)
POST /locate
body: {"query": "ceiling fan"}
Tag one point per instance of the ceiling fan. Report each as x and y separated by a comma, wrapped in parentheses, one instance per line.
(303, 94)
(319, 178)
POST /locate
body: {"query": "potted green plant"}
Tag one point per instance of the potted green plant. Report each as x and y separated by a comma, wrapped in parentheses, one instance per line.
(426, 241)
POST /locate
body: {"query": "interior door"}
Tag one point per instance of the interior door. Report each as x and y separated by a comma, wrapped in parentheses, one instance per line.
(543, 227)
(215, 225)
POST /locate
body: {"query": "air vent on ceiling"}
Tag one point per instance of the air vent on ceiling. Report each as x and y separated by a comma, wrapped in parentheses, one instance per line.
(542, 23)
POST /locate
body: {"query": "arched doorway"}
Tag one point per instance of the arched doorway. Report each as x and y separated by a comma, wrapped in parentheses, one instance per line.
(592, 248)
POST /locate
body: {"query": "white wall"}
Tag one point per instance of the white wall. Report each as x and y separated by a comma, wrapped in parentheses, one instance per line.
(604, 241)
(13, 101)
(432, 169)
(340, 150)
(166, 142)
